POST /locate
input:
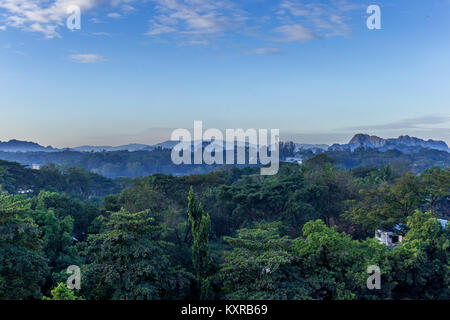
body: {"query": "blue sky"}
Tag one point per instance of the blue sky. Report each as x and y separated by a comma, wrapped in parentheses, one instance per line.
(138, 69)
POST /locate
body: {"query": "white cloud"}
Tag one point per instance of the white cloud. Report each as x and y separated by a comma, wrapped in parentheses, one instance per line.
(264, 51)
(194, 18)
(194, 21)
(307, 20)
(199, 42)
(114, 15)
(46, 17)
(427, 121)
(295, 32)
(160, 29)
(292, 20)
(101, 33)
(128, 8)
(86, 58)
(40, 16)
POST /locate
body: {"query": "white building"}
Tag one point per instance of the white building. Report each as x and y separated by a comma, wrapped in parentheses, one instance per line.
(298, 161)
(389, 238)
(392, 237)
(23, 191)
(443, 223)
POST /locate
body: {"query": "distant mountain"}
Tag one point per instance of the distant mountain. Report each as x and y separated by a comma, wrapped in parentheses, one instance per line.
(129, 147)
(416, 142)
(28, 146)
(116, 164)
(166, 144)
(24, 146)
(402, 143)
(314, 147)
(204, 144)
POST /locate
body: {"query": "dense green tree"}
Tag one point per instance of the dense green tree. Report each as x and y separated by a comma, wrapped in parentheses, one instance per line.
(83, 213)
(387, 205)
(257, 266)
(61, 292)
(201, 226)
(421, 262)
(58, 242)
(23, 266)
(331, 188)
(436, 182)
(128, 261)
(334, 265)
(142, 196)
(15, 178)
(260, 238)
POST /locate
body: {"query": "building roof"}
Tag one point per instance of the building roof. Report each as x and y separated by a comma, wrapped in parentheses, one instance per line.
(443, 223)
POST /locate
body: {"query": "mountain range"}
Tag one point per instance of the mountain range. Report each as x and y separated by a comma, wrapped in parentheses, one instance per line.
(24, 146)
(129, 147)
(402, 143)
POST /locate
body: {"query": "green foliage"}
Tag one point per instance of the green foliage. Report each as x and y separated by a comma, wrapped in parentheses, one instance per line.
(436, 184)
(142, 196)
(332, 189)
(76, 181)
(58, 242)
(15, 178)
(116, 164)
(119, 164)
(385, 205)
(63, 206)
(201, 225)
(334, 265)
(257, 265)
(129, 262)
(305, 233)
(421, 263)
(61, 292)
(23, 266)
(401, 162)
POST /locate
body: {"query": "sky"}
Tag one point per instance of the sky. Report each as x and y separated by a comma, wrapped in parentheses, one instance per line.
(136, 70)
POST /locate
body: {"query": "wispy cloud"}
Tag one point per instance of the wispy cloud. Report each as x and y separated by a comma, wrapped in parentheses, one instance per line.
(264, 51)
(47, 17)
(291, 20)
(101, 33)
(411, 123)
(307, 20)
(194, 21)
(114, 15)
(295, 32)
(86, 58)
(157, 29)
(15, 48)
(40, 16)
(195, 18)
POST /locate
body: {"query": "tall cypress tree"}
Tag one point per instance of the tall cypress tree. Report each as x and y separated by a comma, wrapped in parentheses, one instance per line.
(201, 226)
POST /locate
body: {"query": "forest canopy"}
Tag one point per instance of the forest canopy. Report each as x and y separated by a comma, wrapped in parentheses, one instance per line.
(305, 233)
